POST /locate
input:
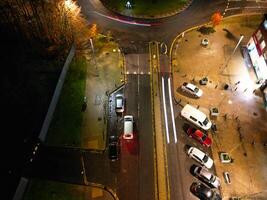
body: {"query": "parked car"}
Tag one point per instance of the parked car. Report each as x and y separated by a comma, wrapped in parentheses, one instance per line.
(114, 148)
(200, 157)
(191, 89)
(195, 116)
(207, 177)
(119, 103)
(203, 192)
(201, 137)
(128, 127)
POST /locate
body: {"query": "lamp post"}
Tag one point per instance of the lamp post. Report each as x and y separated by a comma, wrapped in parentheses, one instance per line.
(227, 62)
(93, 49)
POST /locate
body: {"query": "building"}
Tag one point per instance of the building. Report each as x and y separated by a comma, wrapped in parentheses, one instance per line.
(257, 51)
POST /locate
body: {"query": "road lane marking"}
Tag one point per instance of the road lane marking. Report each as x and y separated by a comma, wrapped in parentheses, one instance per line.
(236, 8)
(165, 112)
(173, 121)
(123, 21)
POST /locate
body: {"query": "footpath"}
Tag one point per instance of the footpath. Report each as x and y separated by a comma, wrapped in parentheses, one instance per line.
(104, 74)
(241, 124)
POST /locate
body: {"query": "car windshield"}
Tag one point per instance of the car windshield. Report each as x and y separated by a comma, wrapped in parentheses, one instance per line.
(196, 89)
(212, 178)
(205, 159)
(204, 137)
(206, 121)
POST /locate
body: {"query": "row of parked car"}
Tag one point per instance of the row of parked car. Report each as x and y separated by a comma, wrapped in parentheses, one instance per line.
(207, 189)
(128, 126)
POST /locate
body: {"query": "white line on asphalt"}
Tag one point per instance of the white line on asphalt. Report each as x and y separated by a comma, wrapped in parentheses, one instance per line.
(237, 8)
(122, 20)
(165, 112)
(173, 121)
(138, 83)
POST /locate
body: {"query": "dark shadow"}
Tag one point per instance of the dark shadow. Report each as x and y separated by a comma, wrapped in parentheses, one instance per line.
(185, 127)
(186, 94)
(115, 166)
(186, 147)
(230, 35)
(192, 168)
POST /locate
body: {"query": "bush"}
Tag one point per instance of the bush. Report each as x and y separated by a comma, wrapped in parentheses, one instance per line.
(206, 30)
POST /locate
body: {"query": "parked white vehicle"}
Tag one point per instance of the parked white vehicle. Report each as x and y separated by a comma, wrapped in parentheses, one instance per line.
(200, 157)
(119, 103)
(128, 127)
(195, 116)
(207, 177)
(192, 89)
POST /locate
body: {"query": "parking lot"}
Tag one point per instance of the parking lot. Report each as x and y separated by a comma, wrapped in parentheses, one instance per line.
(241, 122)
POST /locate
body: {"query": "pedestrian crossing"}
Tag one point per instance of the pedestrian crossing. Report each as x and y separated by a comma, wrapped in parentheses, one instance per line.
(138, 73)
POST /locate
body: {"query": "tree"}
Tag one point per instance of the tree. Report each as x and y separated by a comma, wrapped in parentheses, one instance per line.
(93, 31)
(216, 18)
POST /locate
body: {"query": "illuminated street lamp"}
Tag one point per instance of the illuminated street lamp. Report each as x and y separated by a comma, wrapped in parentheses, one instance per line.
(128, 4)
(239, 41)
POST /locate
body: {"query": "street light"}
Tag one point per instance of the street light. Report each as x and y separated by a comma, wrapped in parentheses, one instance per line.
(93, 49)
(239, 41)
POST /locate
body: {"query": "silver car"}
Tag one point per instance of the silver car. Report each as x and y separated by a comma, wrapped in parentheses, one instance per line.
(207, 177)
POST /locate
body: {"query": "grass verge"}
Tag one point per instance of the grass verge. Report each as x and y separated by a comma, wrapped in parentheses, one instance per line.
(50, 190)
(65, 128)
(149, 8)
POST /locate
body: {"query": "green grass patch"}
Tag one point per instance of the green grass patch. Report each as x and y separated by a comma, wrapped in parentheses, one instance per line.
(49, 190)
(149, 8)
(65, 128)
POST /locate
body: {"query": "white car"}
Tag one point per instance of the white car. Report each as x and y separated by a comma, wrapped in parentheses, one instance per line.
(196, 117)
(207, 177)
(200, 157)
(192, 89)
(119, 103)
(128, 127)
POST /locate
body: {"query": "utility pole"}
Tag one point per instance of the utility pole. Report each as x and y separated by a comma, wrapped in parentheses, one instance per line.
(227, 62)
(93, 49)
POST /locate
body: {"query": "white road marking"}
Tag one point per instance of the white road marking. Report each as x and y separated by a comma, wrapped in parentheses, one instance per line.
(122, 20)
(236, 8)
(165, 112)
(173, 121)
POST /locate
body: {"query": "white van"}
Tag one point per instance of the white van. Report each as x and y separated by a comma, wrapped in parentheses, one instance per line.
(128, 127)
(196, 117)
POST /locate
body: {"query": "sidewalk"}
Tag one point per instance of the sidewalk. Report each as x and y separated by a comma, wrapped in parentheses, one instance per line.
(242, 108)
(102, 78)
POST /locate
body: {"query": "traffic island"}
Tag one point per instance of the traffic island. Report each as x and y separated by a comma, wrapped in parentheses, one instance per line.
(147, 9)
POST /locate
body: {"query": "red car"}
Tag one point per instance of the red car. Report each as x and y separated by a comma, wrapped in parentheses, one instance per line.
(201, 137)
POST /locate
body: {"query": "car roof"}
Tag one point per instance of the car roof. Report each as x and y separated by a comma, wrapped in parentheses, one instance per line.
(197, 152)
(189, 110)
(204, 172)
(198, 133)
(205, 190)
(191, 86)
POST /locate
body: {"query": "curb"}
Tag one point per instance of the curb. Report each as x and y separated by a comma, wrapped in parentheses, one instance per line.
(159, 16)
